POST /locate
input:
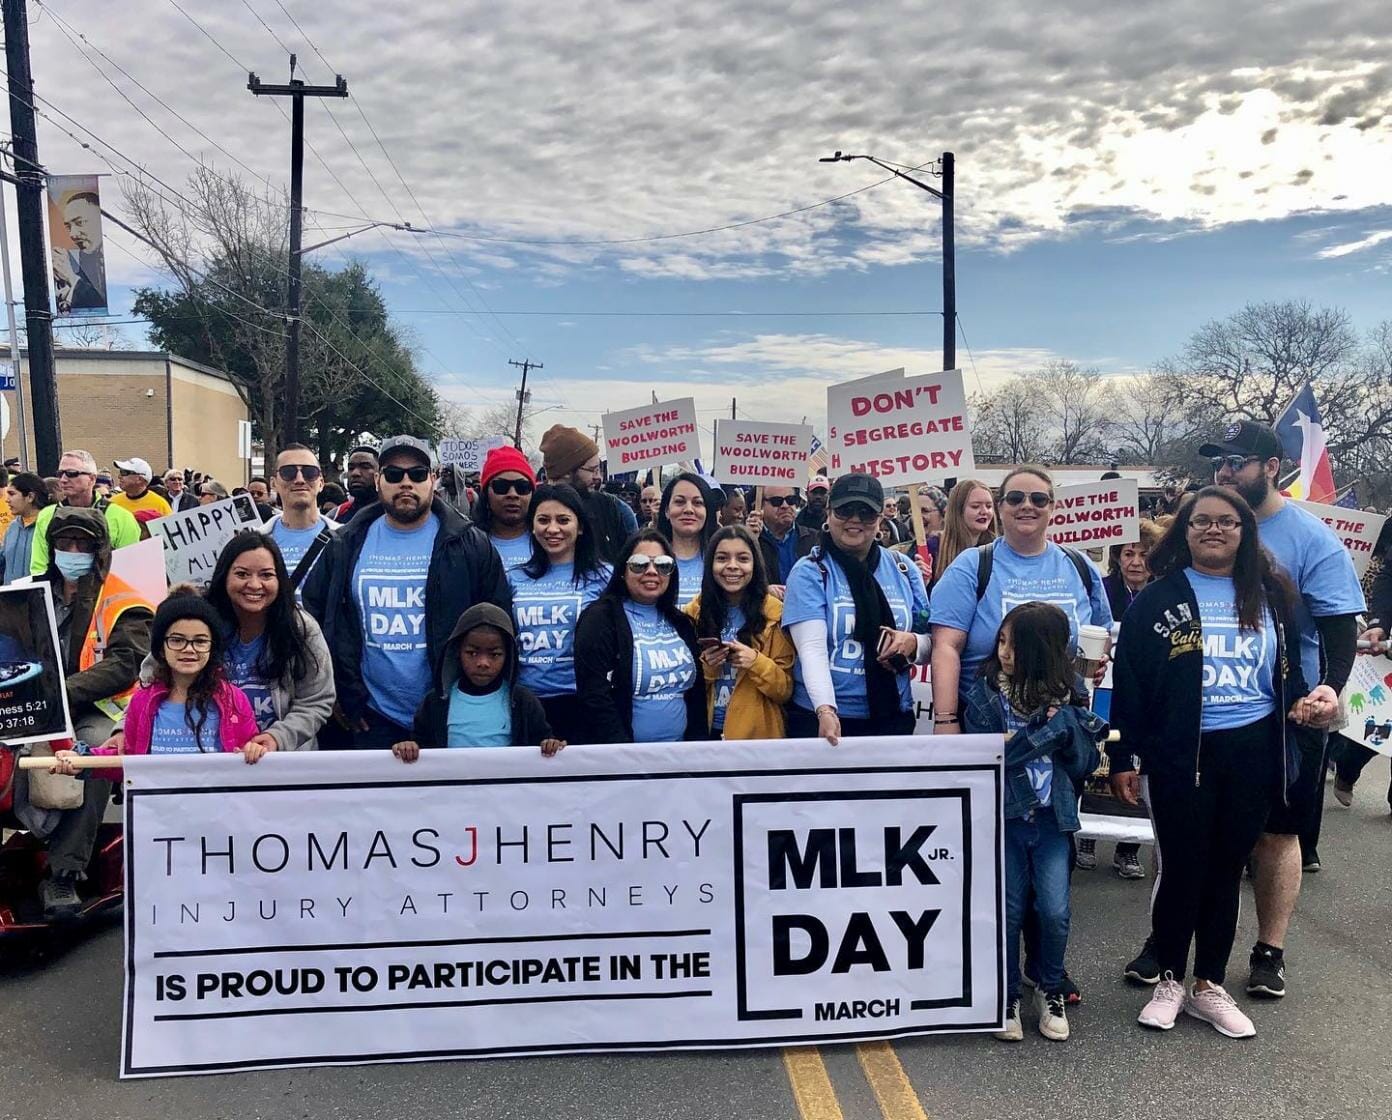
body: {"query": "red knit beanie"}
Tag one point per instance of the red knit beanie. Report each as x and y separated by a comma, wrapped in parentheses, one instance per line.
(505, 458)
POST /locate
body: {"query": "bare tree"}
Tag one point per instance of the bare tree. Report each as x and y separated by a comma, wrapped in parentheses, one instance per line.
(1076, 401)
(89, 336)
(1008, 426)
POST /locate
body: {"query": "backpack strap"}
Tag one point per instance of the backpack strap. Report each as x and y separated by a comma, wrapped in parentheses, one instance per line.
(316, 546)
(1080, 562)
(985, 561)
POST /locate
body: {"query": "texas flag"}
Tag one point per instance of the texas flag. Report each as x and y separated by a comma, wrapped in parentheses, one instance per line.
(1301, 432)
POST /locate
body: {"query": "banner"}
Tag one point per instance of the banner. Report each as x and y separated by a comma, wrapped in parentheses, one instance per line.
(343, 907)
(652, 435)
(33, 700)
(194, 539)
(1367, 700)
(751, 453)
(1092, 514)
(1358, 530)
(75, 242)
(900, 429)
(468, 454)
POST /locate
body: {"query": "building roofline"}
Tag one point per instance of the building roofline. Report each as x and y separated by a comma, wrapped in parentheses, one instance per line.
(60, 354)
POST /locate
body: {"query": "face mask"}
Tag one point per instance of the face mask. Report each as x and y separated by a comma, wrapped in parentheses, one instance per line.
(74, 565)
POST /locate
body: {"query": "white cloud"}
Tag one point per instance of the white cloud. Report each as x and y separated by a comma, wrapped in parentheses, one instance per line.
(1345, 248)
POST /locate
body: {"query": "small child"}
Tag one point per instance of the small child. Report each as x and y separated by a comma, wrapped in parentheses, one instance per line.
(479, 702)
(1028, 690)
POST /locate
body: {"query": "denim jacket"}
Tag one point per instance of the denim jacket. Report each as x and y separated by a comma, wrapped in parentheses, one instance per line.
(1069, 740)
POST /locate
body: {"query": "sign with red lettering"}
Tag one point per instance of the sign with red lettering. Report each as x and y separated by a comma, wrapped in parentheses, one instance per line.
(911, 429)
(1092, 514)
(652, 435)
(751, 453)
(1358, 530)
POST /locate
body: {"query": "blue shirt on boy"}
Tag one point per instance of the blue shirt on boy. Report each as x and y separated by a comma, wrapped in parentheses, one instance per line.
(544, 612)
(663, 669)
(171, 733)
(480, 720)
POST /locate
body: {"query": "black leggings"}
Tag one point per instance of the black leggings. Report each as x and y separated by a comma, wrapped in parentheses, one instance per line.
(565, 716)
(1205, 835)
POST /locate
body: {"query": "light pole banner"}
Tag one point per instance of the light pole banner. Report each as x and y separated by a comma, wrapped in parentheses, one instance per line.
(652, 435)
(752, 453)
(331, 908)
(909, 429)
(75, 241)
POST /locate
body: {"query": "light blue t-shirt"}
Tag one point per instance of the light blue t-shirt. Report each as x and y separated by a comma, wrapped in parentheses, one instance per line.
(1049, 577)
(725, 683)
(515, 552)
(240, 663)
(811, 594)
(294, 543)
(689, 574)
(1239, 666)
(389, 590)
(1040, 771)
(172, 735)
(1322, 570)
(480, 721)
(663, 669)
(545, 611)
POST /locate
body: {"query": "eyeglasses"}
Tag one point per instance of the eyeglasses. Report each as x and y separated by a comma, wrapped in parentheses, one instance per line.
(1202, 522)
(288, 473)
(503, 486)
(1234, 463)
(180, 642)
(856, 511)
(588, 470)
(663, 565)
(1037, 498)
(395, 474)
(778, 502)
(69, 474)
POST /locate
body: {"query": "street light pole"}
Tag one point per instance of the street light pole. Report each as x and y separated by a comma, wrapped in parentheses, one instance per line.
(947, 172)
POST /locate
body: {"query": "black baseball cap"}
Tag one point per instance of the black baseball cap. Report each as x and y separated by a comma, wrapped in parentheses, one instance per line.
(850, 489)
(1246, 437)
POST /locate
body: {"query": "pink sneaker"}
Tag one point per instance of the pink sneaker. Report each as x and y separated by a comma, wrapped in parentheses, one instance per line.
(1165, 1004)
(1216, 1008)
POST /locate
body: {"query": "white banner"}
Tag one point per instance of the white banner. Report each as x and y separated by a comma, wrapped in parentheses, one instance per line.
(194, 539)
(752, 453)
(332, 908)
(1358, 530)
(910, 429)
(1093, 514)
(651, 435)
(1367, 701)
(467, 454)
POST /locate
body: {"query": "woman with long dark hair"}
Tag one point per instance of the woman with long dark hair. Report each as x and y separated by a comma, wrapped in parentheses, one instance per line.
(636, 653)
(549, 592)
(746, 657)
(686, 516)
(1202, 688)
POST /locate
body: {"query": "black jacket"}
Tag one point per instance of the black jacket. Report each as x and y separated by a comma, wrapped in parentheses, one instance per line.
(1118, 597)
(464, 570)
(606, 516)
(431, 725)
(604, 673)
(806, 540)
(1157, 683)
(1380, 597)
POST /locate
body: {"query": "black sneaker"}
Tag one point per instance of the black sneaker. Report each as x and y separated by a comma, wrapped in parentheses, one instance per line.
(1145, 969)
(1072, 994)
(59, 896)
(1268, 976)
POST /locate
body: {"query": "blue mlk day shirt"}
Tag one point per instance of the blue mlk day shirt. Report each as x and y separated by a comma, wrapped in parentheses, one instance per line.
(480, 721)
(389, 589)
(810, 595)
(1239, 666)
(170, 733)
(663, 669)
(689, 573)
(1040, 771)
(1322, 570)
(294, 543)
(544, 612)
(725, 683)
(515, 552)
(1049, 577)
(240, 663)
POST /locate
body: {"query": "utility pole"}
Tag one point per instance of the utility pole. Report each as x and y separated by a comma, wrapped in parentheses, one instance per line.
(33, 259)
(297, 91)
(15, 373)
(949, 266)
(734, 411)
(523, 396)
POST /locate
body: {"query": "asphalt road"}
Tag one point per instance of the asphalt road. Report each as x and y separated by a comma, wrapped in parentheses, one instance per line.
(1321, 1052)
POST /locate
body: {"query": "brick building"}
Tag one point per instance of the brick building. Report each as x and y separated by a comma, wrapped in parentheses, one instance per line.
(166, 409)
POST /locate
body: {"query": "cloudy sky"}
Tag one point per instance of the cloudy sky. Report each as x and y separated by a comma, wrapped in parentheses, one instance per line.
(1124, 172)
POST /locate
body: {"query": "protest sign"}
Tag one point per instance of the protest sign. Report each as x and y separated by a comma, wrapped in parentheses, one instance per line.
(467, 454)
(332, 908)
(751, 453)
(1367, 698)
(911, 429)
(1358, 530)
(652, 435)
(33, 700)
(193, 539)
(1091, 514)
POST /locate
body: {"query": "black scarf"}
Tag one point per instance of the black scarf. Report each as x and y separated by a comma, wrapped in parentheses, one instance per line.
(871, 612)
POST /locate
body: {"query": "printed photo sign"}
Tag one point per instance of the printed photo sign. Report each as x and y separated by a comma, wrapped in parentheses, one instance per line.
(652, 435)
(33, 700)
(1367, 700)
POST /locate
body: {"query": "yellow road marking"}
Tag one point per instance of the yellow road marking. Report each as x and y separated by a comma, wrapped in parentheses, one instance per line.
(816, 1099)
(893, 1092)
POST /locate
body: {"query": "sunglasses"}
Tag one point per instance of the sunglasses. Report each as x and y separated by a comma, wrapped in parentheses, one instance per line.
(1037, 498)
(503, 486)
(856, 511)
(287, 474)
(395, 474)
(778, 502)
(73, 474)
(663, 565)
(1234, 463)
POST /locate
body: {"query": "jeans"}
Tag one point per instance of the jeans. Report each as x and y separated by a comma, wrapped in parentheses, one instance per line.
(1038, 861)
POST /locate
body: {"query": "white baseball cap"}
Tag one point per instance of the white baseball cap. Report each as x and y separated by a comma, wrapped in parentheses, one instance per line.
(135, 466)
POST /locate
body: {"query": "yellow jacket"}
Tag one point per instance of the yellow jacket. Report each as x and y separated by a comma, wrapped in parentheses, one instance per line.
(756, 704)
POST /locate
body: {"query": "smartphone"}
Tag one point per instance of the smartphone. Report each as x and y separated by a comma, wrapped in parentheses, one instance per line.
(709, 643)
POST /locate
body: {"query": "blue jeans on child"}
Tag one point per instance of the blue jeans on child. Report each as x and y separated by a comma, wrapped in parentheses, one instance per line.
(1038, 860)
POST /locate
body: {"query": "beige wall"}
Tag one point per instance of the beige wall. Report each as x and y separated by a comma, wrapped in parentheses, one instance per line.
(206, 411)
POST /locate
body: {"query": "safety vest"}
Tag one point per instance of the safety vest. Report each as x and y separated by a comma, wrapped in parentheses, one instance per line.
(115, 599)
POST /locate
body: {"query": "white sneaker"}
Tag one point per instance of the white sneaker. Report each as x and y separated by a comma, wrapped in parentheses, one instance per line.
(1220, 1011)
(1165, 1004)
(1053, 1018)
(1012, 1031)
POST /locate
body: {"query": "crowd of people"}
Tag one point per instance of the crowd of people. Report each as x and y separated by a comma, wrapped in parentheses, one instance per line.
(420, 610)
